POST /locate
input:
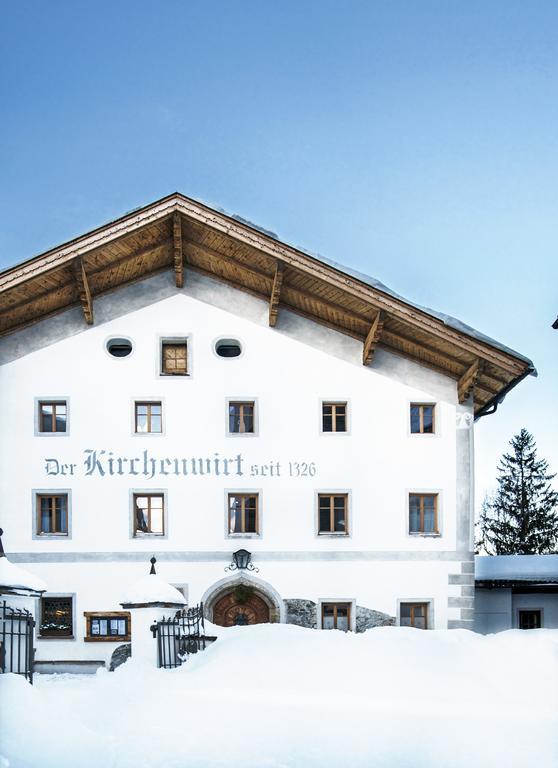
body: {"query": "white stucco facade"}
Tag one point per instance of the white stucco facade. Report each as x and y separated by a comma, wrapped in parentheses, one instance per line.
(287, 371)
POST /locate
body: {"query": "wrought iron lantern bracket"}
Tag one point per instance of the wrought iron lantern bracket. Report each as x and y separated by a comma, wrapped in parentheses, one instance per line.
(242, 561)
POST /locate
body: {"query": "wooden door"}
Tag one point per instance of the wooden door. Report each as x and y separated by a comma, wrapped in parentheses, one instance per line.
(232, 610)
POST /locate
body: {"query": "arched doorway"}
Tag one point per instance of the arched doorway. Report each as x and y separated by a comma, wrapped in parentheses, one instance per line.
(240, 606)
(242, 598)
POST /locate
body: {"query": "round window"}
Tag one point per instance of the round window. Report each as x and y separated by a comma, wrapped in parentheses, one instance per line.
(228, 348)
(119, 347)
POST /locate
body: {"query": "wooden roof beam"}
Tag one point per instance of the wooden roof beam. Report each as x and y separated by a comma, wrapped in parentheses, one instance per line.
(467, 382)
(373, 337)
(275, 294)
(83, 290)
(177, 249)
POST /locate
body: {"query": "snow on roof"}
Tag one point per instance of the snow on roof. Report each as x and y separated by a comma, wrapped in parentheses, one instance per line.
(152, 589)
(516, 568)
(451, 322)
(13, 577)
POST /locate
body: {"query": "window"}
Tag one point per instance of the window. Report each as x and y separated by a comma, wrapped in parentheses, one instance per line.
(241, 418)
(334, 417)
(243, 513)
(413, 615)
(56, 617)
(148, 418)
(119, 347)
(423, 513)
(336, 616)
(174, 358)
(228, 348)
(53, 416)
(530, 619)
(332, 513)
(422, 419)
(112, 626)
(52, 514)
(149, 513)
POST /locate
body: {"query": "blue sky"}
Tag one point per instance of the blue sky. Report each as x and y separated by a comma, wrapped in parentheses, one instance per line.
(416, 142)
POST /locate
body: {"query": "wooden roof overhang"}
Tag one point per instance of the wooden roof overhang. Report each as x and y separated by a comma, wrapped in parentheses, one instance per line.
(180, 234)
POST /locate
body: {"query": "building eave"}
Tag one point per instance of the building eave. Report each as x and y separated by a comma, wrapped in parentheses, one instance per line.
(178, 233)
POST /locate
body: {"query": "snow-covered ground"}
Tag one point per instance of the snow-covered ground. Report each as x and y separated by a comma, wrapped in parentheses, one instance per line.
(278, 696)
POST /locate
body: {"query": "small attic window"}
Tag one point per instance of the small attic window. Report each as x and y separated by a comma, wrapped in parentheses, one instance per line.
(228, 348)
(119, 347)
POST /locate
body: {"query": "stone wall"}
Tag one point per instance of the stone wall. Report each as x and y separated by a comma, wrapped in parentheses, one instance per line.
(301, 612)
(304, 613)
(366, 618)
(121, 654)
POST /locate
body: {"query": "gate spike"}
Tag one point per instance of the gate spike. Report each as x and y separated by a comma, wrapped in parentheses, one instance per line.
(152, 571)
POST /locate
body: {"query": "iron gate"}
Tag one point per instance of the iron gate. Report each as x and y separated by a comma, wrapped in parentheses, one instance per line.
(179, 636)
(16, 641)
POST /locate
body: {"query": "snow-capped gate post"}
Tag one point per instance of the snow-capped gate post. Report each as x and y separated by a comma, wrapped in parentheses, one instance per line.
(149, 600)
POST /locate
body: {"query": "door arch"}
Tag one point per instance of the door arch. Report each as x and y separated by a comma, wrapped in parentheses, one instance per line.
(255, 586)
(240, 606)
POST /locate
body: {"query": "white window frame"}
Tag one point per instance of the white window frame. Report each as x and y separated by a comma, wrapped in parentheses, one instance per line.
(349, 600)
(35, 513)
(348, 409)
(37, 420)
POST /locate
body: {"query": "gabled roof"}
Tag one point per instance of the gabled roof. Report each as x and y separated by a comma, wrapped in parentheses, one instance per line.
(180, 234)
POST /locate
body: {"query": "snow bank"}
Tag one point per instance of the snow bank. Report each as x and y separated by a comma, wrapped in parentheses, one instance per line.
(152, 589)
(14, 577)
(278, 696)
(517, 567)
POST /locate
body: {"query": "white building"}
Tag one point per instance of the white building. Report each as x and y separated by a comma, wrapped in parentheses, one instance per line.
(516, 592)
(180, 383)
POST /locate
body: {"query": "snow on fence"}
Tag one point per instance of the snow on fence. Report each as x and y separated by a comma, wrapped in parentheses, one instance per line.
(16, 641)
(179, 636)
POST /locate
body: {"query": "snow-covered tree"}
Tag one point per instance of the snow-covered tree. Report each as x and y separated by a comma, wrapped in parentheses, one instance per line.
(521, 518)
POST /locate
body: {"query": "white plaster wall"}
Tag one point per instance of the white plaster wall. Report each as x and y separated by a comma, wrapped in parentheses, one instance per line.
(379, 585)
(547, 603)
(289, 370)
(493, 610)
(498, 609)
(379, 462)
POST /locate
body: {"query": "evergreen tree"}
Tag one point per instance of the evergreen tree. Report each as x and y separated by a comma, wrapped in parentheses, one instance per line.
(521, 518)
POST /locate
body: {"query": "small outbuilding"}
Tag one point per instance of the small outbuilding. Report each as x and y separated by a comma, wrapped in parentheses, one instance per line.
(516, 592)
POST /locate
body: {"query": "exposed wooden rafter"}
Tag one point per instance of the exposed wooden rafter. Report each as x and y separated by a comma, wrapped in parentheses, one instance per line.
(275, 294)
(373, 337)
(176, 231)
(467, 382)
(177, 249)
(83, 290)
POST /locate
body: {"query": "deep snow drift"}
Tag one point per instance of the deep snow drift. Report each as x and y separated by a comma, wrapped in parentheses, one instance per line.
(278, 696)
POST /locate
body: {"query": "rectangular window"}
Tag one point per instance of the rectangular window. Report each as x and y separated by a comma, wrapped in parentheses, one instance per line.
(333, 513)
(56, 617)
(413, 615)
(148, 418)
(423, 513)
(243, 513)
(241, 418)
(336, 616)
(334, 417)
(530, 619)
(422, 419)
(149, 513)
(53, 416)
(112, 626)
(52, 514)
(174, 358)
